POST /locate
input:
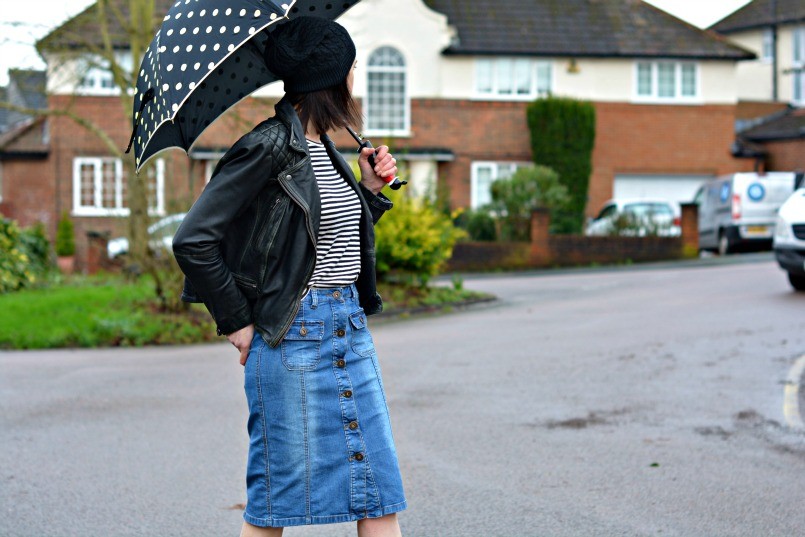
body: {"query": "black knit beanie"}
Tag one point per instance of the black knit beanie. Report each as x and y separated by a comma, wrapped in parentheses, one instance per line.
(309, 54)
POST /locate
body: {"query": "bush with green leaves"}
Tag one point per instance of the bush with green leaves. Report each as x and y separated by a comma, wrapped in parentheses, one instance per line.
(515, 198)
(562, 138)
(35, 244)
(414, 240)
(15, 270)
(65, 237)
(478, 223)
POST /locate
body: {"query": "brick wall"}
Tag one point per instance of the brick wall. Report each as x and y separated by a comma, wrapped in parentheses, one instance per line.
(787, 155)
(631, 139)
(28, 192)
(546, 250)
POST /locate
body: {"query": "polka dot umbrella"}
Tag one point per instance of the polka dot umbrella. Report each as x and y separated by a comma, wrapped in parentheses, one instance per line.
(206, 57)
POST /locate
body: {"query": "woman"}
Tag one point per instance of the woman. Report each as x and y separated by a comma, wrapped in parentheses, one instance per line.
(280, 248)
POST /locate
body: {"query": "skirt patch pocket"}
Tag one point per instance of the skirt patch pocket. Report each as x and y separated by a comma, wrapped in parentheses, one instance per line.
(301, 347)
(361, 338)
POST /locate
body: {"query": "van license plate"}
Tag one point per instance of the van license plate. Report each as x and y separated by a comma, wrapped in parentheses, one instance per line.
(757, 230)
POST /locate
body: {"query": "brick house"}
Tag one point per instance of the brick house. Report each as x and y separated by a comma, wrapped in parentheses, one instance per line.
(447, 90)
(24, 146)
(771, 88)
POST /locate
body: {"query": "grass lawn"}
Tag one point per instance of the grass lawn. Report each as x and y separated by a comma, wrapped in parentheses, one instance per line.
(108, 310)
(94, 312)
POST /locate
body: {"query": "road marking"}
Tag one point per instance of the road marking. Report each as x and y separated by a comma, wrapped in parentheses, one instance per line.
(791, 408)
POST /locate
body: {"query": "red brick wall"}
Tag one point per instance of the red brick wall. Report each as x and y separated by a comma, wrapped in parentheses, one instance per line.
(631, 139)
(28, 192)
(786, 156)
(661, 139)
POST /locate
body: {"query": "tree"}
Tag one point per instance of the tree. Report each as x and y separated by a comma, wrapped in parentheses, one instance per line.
(97, 36)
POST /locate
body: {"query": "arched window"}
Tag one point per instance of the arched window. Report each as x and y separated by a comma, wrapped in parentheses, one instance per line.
(387, 108)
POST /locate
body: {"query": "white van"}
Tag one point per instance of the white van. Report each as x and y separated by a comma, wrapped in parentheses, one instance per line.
(789, 239)
(741, 209)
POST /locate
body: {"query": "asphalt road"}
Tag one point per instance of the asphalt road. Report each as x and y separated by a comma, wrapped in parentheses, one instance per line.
(628, 403)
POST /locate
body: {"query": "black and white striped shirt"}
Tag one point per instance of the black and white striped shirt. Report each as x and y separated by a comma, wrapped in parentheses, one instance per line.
(338, 256)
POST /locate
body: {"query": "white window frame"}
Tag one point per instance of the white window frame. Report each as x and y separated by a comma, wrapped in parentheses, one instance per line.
(798, 66)
(97, 209)
(495, 95)
(95, 69)
(209, 167)
(495, 166)
(406, 130)
(678, 97)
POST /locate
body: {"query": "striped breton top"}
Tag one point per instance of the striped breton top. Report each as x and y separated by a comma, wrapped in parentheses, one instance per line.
(338, 256)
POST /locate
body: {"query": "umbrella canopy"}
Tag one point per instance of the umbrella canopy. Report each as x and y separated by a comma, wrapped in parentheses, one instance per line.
(206, 57)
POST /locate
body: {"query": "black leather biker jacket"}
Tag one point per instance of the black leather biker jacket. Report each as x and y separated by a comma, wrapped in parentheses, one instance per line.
(248, 245)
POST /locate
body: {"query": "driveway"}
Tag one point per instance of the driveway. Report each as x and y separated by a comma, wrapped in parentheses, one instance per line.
(628, 402)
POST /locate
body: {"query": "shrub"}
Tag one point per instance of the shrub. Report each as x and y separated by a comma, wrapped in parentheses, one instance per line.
(65, 237)
(15, 272)
(562, 138)
(479, 225)
(34, 243)
(516, 198)
(414, 240)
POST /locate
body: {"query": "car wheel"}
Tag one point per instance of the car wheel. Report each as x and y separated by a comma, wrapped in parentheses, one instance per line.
(724, 244)
(797, 281)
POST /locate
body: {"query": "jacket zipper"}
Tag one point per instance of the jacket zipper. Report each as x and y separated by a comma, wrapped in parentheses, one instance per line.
(265, 228)
(298, 200)
(312, 265)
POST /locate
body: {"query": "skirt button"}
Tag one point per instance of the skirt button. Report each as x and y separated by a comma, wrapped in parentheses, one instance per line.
(359, 456)
(341, 363)
(353, 425)
(341, 333)
(337, 295)
(347, 394)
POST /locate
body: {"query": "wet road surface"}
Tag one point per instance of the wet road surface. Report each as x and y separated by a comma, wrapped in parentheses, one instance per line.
(628, 402)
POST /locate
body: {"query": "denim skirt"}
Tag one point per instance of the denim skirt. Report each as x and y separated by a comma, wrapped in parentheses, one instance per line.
(321, 449)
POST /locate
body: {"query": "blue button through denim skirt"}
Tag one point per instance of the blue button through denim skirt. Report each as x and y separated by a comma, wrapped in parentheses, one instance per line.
(321, 449)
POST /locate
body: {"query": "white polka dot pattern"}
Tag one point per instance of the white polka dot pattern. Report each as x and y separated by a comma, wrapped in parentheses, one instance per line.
(203, 60)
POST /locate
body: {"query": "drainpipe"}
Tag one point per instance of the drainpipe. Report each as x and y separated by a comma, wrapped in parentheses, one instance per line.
(774, 65)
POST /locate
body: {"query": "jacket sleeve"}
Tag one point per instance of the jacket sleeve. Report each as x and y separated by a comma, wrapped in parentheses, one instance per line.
(242, 173)
(378, 203)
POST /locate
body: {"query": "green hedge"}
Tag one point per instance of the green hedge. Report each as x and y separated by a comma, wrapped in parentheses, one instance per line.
(562, 138)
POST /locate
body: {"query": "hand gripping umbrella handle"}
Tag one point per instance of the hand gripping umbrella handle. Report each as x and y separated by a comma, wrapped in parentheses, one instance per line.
(394, 182)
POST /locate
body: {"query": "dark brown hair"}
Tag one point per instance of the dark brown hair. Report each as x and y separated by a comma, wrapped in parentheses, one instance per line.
(328, 109)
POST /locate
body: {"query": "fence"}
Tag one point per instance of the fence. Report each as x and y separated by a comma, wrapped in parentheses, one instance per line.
(546, 250)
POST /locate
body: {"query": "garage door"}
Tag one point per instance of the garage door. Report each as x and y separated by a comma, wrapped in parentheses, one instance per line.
(680, 188)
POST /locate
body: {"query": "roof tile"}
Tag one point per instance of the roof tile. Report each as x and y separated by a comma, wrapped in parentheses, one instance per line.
(593, 28)
(759, 14)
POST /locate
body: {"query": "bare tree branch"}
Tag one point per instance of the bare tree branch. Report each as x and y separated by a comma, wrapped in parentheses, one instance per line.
(83, 122)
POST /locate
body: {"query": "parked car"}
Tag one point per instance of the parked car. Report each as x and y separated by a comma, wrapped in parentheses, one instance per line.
(637, 217)
(789, 239)
(160, 235)
(739, 210)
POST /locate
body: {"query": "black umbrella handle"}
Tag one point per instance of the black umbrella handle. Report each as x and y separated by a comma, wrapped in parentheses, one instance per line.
(394, 182)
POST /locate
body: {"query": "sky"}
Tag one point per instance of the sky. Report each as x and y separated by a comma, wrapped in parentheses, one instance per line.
(22, 23)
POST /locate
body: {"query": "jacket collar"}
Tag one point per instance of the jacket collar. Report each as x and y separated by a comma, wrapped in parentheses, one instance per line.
(287, 114)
